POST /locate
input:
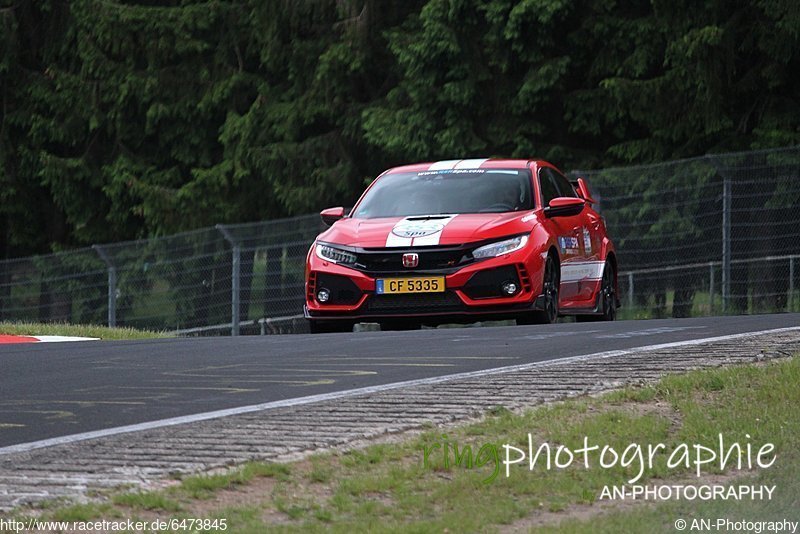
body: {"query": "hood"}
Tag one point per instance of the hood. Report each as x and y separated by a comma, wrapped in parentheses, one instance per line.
(430, 230)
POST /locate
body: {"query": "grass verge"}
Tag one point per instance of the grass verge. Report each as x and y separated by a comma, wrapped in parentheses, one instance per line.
(390, 487)
(77, 330)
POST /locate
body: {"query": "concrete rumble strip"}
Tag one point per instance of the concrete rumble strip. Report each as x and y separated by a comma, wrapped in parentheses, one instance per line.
(144, 459)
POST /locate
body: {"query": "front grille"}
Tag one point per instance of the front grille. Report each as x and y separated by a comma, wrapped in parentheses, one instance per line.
(415, 303)
(430, 259)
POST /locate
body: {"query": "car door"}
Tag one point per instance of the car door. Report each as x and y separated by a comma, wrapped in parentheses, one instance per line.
(569, 234)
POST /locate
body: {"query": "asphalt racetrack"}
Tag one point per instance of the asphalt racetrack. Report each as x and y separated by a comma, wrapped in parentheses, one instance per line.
(57, 389)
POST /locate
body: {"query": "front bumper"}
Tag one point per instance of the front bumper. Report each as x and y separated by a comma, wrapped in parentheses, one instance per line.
(472, 292)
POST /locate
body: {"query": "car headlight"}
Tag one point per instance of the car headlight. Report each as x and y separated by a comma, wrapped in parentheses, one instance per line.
(333, 254)
(501, 247)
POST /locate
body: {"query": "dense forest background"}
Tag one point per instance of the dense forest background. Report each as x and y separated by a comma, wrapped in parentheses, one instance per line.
(121, 120)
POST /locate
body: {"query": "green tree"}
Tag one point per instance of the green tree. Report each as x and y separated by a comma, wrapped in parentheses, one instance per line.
(124, 118)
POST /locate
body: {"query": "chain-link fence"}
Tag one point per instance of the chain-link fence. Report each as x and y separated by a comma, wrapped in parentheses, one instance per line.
(704, 236)
(205, 281)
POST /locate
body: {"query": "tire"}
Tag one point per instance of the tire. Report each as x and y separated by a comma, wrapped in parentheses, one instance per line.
(550, 286)
(400, 324)
(329, 327)
(608, 298)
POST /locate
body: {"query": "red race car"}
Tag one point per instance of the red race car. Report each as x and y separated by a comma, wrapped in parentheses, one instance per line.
(462, 241)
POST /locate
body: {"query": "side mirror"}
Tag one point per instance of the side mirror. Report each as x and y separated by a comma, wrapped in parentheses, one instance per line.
(564, 207)
(331, 215)
(583, 191)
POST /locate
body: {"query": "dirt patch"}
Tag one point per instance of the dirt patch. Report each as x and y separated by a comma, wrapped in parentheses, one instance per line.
(657, 408)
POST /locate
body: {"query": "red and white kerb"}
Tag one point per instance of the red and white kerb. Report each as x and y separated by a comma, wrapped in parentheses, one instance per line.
(6, 339)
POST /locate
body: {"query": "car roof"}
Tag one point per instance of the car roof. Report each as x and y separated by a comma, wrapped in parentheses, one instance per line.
(479, 163)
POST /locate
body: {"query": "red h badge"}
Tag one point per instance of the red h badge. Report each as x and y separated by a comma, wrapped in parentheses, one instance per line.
(410, 260)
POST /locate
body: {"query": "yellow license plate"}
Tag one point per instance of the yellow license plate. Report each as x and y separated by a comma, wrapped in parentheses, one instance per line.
(429, 284)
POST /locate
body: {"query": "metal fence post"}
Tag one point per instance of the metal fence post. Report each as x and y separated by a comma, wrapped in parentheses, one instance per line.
(791, 283)
(112, 284)
(726, 242)
(711, 287)
(630, 290)
(236, 254)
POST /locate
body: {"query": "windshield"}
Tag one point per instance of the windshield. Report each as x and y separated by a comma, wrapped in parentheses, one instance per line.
(447, 192)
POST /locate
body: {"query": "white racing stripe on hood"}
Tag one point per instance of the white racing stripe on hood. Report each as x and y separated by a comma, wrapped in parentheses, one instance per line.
(397, 241)
(429, 231)
(434, 238)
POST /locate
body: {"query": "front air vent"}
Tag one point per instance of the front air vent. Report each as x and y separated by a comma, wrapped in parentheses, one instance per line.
(488, 283)
(342, 289)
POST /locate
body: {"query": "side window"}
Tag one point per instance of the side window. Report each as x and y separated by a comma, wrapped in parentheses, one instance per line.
(547, 185)
(565, 188)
